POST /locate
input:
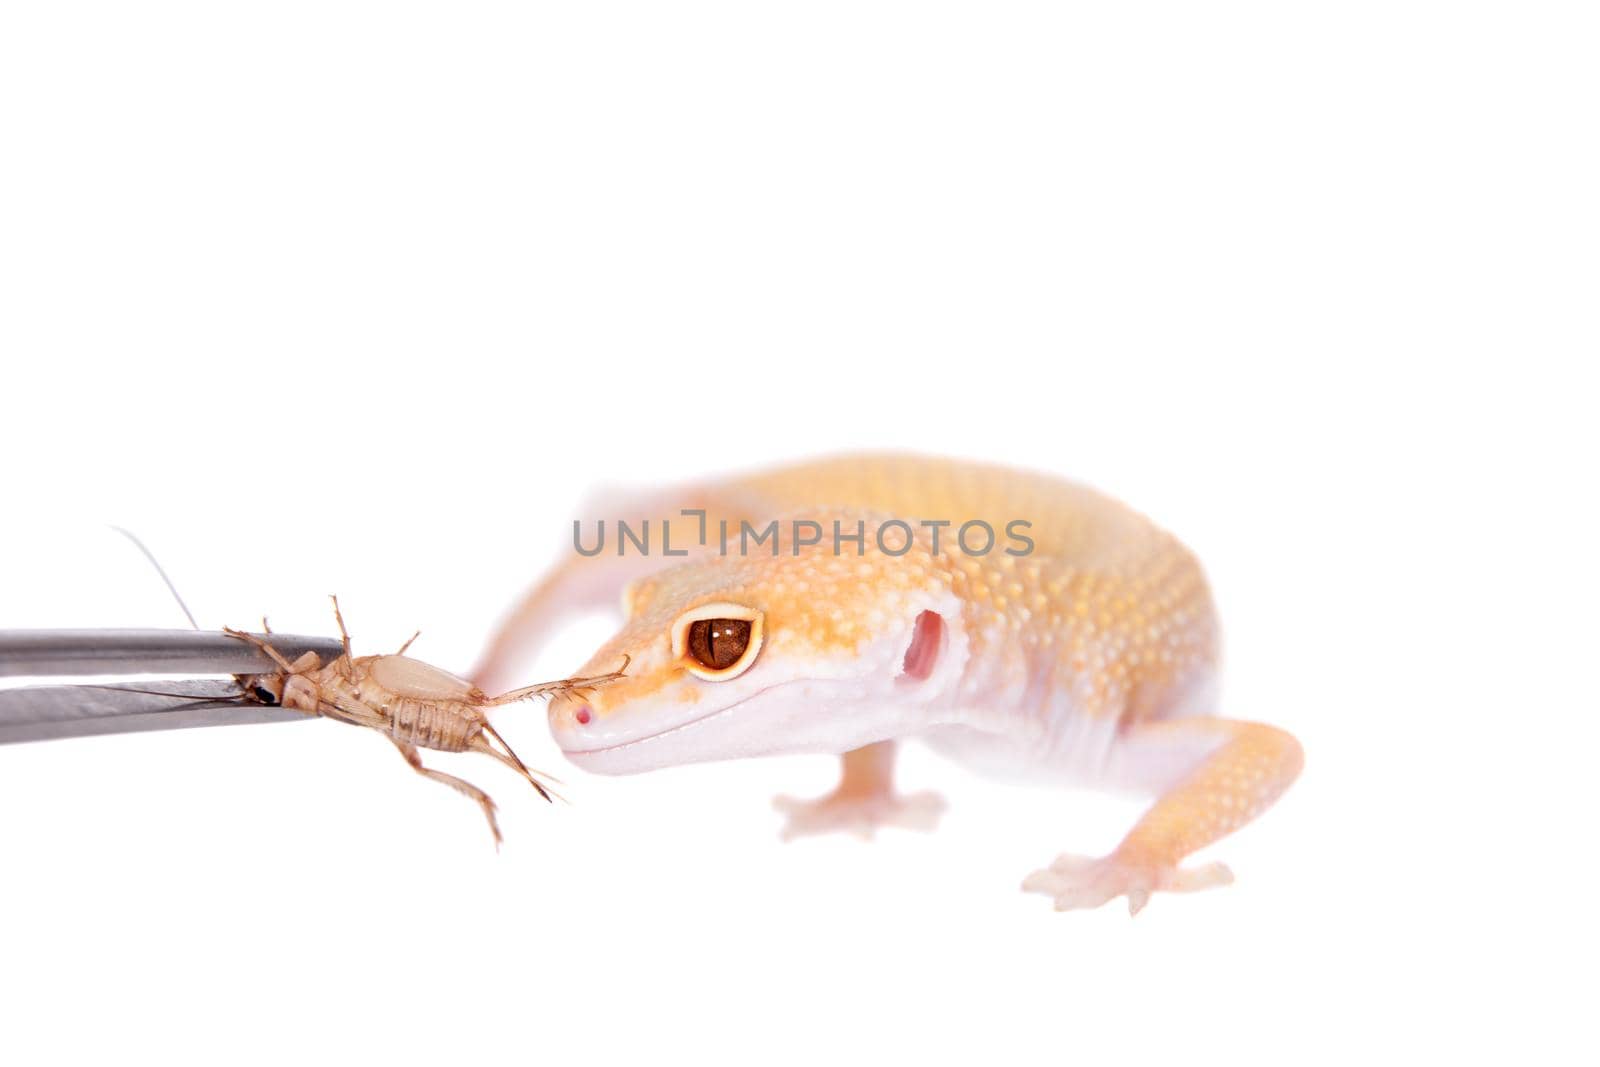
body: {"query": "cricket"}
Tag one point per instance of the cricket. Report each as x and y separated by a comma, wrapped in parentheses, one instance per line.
(414, 704)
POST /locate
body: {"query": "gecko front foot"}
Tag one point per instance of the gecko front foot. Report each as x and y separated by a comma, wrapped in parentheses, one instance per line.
(1082, 882)
(859, 813)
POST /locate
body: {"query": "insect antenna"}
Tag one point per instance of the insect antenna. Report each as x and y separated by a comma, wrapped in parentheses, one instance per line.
(159, 570)
(240, 698)
(246, 696)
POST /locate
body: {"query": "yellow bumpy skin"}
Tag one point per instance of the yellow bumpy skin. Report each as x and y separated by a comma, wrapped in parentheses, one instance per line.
(1017, 622)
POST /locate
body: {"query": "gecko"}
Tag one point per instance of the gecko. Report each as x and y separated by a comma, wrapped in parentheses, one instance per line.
(1080, 648)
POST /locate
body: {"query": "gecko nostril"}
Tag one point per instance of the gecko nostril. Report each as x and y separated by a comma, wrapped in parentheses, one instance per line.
(583, 715)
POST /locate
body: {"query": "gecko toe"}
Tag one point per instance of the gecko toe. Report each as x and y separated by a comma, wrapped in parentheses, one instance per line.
(859, 814)
(1080, 882)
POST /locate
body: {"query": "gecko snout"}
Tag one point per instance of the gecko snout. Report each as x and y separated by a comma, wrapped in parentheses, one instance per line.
(577, 723)
(569, 711)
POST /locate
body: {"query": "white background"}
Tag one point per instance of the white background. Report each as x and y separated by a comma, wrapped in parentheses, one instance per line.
(366, 298)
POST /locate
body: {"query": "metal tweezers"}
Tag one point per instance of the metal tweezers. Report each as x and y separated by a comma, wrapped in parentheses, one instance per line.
(38, 713)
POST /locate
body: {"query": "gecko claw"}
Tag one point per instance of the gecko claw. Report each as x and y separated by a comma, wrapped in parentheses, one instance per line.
(1137, 899)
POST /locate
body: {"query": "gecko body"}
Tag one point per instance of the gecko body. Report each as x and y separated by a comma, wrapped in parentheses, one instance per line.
(1081, 651)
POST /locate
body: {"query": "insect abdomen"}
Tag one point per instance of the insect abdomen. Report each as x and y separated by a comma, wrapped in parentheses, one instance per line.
(448, 726)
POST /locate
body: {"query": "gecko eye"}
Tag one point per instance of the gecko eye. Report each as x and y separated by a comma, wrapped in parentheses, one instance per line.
(717, 641)
(717, 644)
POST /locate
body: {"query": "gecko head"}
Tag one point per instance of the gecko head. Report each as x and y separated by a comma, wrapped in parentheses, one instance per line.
(741, 656)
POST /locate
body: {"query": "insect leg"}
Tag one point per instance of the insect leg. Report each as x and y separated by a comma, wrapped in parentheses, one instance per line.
(354, 714)
(506, 755)
(344, 635)
(407, 645)
(252, 639)
(413, 757)
(564, 686)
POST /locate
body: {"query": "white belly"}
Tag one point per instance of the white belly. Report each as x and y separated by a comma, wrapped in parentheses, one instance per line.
(1077, 756)
(1068, 746)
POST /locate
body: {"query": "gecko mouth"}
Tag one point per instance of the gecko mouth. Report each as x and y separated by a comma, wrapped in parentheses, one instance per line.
(620, 746)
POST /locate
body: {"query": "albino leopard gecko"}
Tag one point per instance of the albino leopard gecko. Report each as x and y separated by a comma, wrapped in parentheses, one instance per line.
(1081, 646)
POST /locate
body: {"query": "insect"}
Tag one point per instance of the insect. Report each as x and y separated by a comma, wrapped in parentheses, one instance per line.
(413, 704)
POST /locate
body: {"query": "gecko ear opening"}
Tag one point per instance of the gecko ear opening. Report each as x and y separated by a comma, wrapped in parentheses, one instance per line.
(927, 641)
